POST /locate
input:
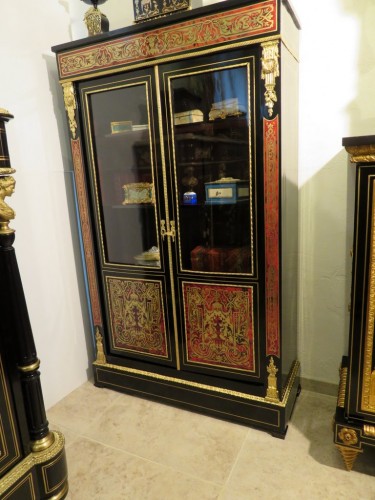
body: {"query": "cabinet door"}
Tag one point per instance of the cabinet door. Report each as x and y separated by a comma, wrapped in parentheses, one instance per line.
(126, 187)
(211, 112)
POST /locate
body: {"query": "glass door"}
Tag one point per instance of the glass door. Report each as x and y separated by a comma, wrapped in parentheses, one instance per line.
(211, 111)
(126, 187)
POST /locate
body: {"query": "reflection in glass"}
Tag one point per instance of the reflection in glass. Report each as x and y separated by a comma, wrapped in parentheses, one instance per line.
(211, 133)
(122, 146)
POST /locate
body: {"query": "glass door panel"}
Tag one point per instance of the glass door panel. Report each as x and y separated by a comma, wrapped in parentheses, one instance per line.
(211, 129)
(123, 152)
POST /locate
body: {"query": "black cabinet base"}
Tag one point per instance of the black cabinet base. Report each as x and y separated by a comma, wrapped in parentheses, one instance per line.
(246, 409)
(350, 435)
(39, 475)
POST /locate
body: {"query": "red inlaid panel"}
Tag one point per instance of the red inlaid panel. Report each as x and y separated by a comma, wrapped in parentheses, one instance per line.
(219, 326)
(137, 316)
(86, 230)
(271, 214)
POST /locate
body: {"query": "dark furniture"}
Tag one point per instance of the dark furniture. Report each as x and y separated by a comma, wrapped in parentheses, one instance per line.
(32, 458)
(187, 192)
(354, 426)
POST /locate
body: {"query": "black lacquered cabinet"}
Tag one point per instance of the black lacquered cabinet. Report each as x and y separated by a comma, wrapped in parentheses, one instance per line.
(355, 415)
(183, 135)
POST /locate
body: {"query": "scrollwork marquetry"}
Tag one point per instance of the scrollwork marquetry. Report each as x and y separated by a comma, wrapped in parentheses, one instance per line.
(70, 106)
(234, 26)
(270, 71)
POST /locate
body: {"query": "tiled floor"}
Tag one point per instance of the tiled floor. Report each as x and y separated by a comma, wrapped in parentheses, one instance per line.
(120, 447)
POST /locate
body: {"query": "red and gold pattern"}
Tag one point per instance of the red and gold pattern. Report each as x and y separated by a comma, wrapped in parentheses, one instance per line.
(86, 231)
(236, 25)
(219, 326)
(137, 316)
(271, 215)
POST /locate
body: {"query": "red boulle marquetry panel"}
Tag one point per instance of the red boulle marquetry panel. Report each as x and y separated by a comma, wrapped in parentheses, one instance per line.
(86, 230)
(235, 25)
(137, 316)
(271, 215)
(219, 326)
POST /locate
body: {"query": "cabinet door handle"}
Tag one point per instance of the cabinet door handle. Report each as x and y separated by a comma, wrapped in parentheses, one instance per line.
(170, 231)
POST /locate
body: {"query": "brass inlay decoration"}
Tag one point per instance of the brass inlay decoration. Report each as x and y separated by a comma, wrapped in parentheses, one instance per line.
(26, 481)
(369, 430)
(70, 106)
(86, 231)
(361, 154)
(349, 455)
(348, 436)
(270, 71)
(368, 384)
(219, 325)
(166, 204)
(170, 231)
(342, 387)
(100, 356)
(31, 460)
(30, 368)
(7, 186)
(43, 444)
(234, 25)
(137, 316)
(272, 392)
(8, 414)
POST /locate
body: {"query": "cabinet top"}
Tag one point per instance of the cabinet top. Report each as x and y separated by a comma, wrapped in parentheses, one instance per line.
(205, 28)
(362, 140)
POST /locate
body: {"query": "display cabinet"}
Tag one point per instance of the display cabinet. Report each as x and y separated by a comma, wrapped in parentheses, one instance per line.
(354, 426)
(183, 134)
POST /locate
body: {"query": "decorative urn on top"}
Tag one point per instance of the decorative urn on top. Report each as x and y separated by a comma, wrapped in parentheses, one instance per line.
(95, 20)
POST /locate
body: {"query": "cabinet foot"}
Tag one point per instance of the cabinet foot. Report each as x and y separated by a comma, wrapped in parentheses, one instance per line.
(349, 455)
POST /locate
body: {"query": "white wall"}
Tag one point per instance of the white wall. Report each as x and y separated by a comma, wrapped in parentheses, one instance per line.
(46, 232)
(337, 72)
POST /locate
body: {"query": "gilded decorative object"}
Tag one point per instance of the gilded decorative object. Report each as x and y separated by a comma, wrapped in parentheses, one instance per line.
(348, 436)
(368, 384)
(137, 316)
(270, 71)
(100, 356)
(96, 22)
(149, 9)
(235, 26)
(138, 192)
(342, 387)
(7, 185)
(369, 430)
(272, 392)
(219, 326)
(70, 106)
(168, 229)
(349, 455)
(361, 154)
